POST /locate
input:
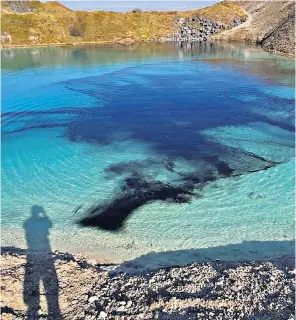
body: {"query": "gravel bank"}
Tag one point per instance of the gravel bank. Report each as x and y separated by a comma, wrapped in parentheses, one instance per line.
(87, 290)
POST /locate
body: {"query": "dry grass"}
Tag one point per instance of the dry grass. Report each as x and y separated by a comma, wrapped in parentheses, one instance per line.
(51, 22)
(223, 12)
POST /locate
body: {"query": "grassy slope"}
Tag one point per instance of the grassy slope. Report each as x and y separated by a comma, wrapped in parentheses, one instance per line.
(52, 23)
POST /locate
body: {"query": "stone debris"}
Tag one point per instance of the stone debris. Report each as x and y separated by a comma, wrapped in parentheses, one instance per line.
(200, 29)
(210, 290)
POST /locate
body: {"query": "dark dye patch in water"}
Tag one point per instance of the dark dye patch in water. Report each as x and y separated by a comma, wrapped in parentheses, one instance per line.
(136, 192)
(128, 167)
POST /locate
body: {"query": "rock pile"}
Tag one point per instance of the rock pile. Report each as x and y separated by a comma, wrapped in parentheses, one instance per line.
(19, 6)
(213, 290)
(200, 29)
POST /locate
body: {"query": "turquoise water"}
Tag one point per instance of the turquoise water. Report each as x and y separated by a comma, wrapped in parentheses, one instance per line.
(79, 123)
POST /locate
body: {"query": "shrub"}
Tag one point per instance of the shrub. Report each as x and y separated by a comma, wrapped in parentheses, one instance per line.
(77, 28)
(136, 10)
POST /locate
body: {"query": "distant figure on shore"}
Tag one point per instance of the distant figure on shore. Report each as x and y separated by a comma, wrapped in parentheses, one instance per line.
(40, 266)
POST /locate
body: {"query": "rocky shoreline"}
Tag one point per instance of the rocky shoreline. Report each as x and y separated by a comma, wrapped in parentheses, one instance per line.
(200, 29)
(90, 290)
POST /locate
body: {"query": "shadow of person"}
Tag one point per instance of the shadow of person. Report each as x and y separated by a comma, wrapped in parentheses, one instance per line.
(40, 266)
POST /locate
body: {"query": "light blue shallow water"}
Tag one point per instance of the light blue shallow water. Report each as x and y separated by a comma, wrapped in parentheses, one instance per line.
(78, 122)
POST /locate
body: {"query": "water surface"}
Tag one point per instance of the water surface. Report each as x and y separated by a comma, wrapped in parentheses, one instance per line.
(79, 122)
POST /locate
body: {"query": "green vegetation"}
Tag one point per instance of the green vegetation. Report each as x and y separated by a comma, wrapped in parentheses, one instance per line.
(52, 22)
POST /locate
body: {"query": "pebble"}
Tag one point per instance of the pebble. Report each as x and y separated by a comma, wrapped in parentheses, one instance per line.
(129, 304)
(102, 315)
(112, 273)
(255, 196)
(93, 299)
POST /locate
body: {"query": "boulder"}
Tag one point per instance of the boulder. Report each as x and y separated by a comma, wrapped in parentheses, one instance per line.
(6, 38)
(33, 38)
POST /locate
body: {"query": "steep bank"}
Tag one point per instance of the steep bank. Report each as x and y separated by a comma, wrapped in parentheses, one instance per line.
(271, 24)
(88, 290)
(36, 23)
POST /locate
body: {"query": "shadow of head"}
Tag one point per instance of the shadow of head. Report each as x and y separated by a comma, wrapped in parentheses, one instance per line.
(37, 228)
(37, 211)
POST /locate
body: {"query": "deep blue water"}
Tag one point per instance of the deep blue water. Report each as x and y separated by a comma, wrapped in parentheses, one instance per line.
(114, 125)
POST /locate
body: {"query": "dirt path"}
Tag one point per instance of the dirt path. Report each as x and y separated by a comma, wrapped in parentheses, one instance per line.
(228, 33)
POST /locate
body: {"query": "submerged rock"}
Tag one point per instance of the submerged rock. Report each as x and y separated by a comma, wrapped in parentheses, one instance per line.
(255, 196)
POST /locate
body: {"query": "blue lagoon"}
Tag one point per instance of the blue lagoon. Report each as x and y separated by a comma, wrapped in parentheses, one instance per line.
(153, 147)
